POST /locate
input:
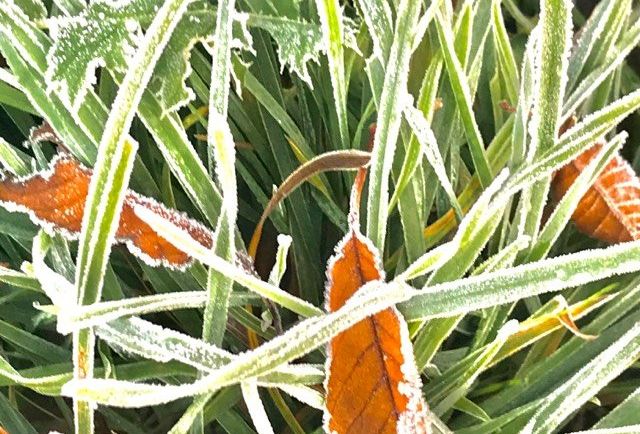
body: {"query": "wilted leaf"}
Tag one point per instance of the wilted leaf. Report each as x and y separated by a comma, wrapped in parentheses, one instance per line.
(372, 382)
(55, 199)
(336, 160)
(610, 210)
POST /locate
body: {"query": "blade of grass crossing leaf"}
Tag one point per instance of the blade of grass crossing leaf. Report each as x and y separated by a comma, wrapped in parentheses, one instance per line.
(96, 244)
(218, 286)
(563, 211)
(107, 189)
(181, 238)
(294, 343)
(462, 95)
(92, 114)
(333, 34)
(388, 122)
(553, 48)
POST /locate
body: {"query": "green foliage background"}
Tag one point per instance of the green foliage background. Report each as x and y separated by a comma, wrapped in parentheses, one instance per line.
(206, 107)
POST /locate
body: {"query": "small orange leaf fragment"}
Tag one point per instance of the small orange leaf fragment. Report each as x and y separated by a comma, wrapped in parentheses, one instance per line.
(373, 384)
(55, 200)
(610, 210)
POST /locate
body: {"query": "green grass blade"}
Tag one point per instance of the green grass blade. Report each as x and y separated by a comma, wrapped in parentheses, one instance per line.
(626, 413)
(108, 187)
(388, 122)
(462, 94)
(504, 286)
(333, 34)
(586, 382)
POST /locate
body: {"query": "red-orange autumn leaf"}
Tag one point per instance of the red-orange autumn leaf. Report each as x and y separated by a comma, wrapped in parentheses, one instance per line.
(372, 385)
(610, 210)
(55, 199)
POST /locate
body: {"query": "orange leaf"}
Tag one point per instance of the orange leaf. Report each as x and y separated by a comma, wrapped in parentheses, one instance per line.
(55, 199)
(610, 210)
(372, 385)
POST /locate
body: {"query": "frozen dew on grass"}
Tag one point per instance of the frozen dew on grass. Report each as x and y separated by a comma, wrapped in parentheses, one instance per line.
(310, 76)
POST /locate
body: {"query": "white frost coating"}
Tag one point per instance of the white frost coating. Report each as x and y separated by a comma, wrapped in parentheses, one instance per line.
(546, 103)
(246, 43)
(189, 93)
(304, 394)
(224, 152)
(148, 340)
(590, 176)
(508, 329)
(104, 312)
(596, 77)
(256, 409)
(9, 78)
(338, 254)
(48, 227)
(298, 42)
(61, 87)
(411, 387)
(483, 208)
(59, 290)
(379, 19)
(181, 239)
(430, 261)
(16, 13)
(610, 262)
(585, 383)
(132, 199)
(137, 336)
(280, 266)
(423, 24)
(429, 147)
(296, 342)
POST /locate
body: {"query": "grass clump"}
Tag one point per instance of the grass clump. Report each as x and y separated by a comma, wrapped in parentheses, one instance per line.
(519, 322)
